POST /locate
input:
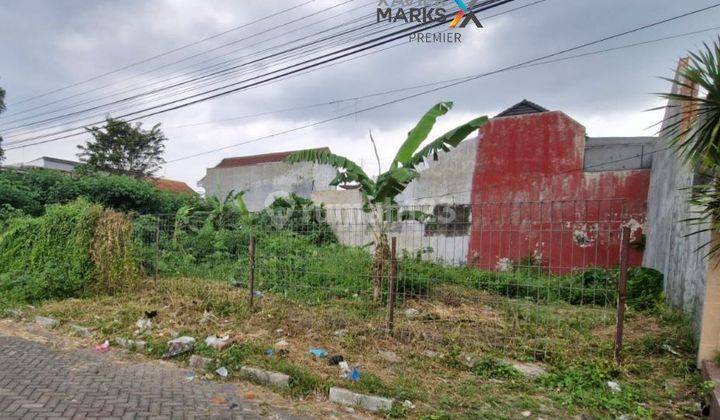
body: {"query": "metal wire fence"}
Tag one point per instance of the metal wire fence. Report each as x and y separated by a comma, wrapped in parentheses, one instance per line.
(522, 277)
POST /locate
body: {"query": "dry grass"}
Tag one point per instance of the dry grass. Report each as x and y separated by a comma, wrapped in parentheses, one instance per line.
(564, 339)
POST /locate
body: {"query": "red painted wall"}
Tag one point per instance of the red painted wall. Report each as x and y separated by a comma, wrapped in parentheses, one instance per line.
(533, 198)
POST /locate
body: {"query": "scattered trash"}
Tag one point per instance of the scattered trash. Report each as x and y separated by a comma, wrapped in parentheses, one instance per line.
(258, 294)
(270, 352)
(151, 314)
(335, 360)
(249, 395)
(279, 331)
(670, 349)
(408, 404)
(354, 375)
(234, 406)
(222, 371)
(411, 313)
(218, 400)
(344, 369)
(131, 344)
(179, 345)
(190, 377)
(218, 343)
(143, 324)
(390, 356)
(526, 413)
(318, 352)
(281, 345)
(105, 346)
(340, 333)
(614, 386)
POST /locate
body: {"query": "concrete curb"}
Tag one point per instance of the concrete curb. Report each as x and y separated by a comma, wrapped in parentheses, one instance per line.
(368, 402)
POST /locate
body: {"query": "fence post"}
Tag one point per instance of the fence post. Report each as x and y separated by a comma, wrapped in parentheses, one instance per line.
(391, 285)
(157, 249)
(621, 289)
(251, 274)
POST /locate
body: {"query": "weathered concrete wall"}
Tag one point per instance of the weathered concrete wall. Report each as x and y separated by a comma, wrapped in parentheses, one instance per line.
(669, 248)
(532, 198)
(265, 181)
(447, 180)
(618, 153)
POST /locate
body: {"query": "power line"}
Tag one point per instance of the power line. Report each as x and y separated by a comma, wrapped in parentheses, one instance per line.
(171, 64)
(366, 45)
(454, 82)
(165, 53)
(355, 98)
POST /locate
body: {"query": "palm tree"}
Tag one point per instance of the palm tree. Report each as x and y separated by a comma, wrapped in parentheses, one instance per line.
(696, 135)
(379, 195)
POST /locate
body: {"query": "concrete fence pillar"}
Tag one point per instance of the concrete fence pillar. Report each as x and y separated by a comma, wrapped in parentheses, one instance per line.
(710, 323)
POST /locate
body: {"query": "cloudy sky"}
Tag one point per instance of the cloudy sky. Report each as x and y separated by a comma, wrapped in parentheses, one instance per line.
(64, 45)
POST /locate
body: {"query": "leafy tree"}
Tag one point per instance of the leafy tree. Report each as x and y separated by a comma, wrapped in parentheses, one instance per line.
(2, 109)
(379, 195)
(696, 137)
(125, 149)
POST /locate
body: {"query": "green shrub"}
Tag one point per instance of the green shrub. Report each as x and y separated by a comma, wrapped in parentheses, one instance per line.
(644, 288)
(31, 190)
(70, 250)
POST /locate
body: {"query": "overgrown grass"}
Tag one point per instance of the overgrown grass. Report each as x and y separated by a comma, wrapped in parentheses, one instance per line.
(71, 250)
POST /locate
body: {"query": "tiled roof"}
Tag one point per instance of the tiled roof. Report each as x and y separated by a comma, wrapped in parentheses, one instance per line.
(233, 162)
(171, 185)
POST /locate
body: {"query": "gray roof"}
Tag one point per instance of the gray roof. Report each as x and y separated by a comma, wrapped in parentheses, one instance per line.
(522, 108)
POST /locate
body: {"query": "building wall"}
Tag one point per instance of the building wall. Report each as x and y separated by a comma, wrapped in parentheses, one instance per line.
(263, 182)
(52, 164)
(670, 247)
(532, 198)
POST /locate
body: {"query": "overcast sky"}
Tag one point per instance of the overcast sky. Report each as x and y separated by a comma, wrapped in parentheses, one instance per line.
(51, 44)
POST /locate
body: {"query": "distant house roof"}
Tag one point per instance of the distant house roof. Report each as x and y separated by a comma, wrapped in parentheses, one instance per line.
(233, 162)
(171, 185)
(522, 108)
(56, 160)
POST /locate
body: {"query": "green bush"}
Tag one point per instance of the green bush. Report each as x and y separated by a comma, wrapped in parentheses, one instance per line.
(644, 288)
(70, 250)
(31, 190)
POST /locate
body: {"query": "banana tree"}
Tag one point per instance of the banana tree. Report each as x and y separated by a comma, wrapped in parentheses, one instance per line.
(379, 194)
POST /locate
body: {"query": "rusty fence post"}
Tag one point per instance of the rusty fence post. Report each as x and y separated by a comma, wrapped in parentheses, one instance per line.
(391, 285)
(251, 268)
(621, 289)
(157, 249)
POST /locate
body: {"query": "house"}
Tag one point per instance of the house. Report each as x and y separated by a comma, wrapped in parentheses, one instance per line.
(541, 187)
(48, 163)
(265, 177)
(530, 184)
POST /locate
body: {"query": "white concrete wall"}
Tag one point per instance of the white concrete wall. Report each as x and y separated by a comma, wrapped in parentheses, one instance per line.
(445, 181)
(265, 181)
(670, 245)
(51, 164)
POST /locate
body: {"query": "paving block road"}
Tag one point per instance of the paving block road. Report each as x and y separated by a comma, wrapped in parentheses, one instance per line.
(38, 382)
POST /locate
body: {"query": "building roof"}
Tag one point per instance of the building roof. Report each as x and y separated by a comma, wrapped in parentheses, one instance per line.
(522, 108)
(233, 162)
(52, 159)
(171, 185)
